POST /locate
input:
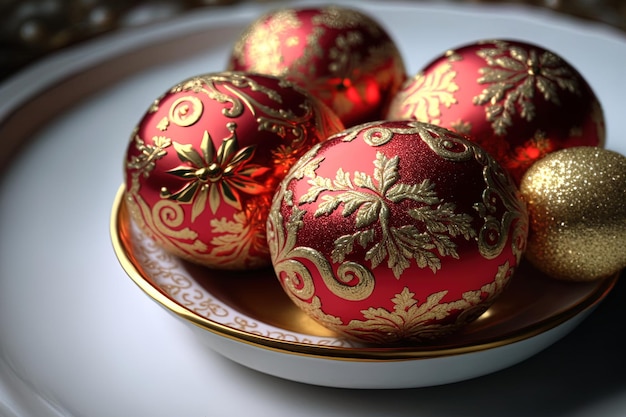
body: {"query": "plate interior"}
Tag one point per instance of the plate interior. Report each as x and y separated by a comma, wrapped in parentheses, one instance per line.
(254, 303)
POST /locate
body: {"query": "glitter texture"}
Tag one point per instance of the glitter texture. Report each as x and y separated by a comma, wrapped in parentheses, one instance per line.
(575, 201)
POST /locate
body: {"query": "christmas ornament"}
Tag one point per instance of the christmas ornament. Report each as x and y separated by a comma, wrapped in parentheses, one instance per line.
(518, 100)
(575, 201)
(340, 55)
(204, 161)
(396, 231)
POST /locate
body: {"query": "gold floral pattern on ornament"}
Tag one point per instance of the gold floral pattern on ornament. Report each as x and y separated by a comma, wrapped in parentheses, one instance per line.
(242, 235)
(514, 76)
(145, 162)
(369, 197)
(215, 176)
(410, 319)
(427, 93)
(264, 42)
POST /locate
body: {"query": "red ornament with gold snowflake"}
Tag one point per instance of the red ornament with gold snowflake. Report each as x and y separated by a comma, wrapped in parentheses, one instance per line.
(518, 100)
(409, 238)
(205, 159)
(340, 55)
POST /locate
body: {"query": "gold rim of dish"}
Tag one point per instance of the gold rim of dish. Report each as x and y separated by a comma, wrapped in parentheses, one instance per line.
(120, 238)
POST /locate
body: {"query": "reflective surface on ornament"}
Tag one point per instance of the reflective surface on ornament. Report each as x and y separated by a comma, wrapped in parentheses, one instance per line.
(248, 318)
(341, 55)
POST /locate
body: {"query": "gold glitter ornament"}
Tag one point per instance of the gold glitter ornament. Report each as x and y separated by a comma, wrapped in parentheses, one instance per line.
(575, 201)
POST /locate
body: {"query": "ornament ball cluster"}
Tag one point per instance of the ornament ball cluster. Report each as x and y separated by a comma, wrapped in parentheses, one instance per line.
(393, 209)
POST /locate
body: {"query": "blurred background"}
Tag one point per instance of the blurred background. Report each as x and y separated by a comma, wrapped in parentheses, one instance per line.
(31, 29)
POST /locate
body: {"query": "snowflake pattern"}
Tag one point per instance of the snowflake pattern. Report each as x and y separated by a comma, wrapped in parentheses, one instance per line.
(514, 76)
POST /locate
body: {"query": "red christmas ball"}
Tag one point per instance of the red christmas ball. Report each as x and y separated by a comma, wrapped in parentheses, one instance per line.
(340, 55)
(204, 161)
(396, 231)
(518, 100)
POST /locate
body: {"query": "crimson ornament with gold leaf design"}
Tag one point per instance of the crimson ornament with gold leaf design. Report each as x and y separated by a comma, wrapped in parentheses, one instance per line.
(396, 231)
(341, 55)
(204, 161)
(518, 100)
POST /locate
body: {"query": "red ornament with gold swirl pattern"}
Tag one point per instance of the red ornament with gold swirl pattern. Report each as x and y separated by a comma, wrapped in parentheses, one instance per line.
(518, 100)
(204, 161)
(396, 231)
(340, 55)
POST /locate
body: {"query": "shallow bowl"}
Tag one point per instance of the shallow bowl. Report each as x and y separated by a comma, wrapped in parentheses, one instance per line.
(246, 317)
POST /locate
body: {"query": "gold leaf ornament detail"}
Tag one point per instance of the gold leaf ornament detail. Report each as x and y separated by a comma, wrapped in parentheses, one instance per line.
(145, 162)
(429, 92)
(163, 220)
(271, 113)
(514, 76)
(369, 198)
(336, 17)
(498, 190)
(235, 239)
(413, 320)
(185, 111)
(236, 101)
(352, 282)
(262, 41)
(461, 126)
(215, 176)
(165, 216)
(163, 124)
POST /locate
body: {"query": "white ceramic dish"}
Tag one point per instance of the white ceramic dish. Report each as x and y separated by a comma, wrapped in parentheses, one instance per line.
(77, 338)
(247, 318)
